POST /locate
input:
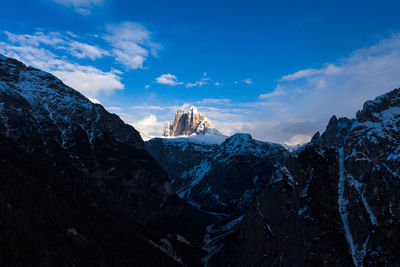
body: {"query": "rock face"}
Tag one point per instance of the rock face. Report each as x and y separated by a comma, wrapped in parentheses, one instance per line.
(77, 185)
(222, 179)
(187, 123)
(336, 201)
(217, 178)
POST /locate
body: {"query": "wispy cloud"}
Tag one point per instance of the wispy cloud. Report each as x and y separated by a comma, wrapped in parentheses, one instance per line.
(343, 87)
(131, 44)
(83, 7)
(198, 83)
(215, 101)
(248, 81)
(205, 80)
(168, 79)
(279, 90)
(329, 69)
(127, 43)
(57, 41)
(114, 109)
(39, 50)
(82, 50)
(148, 107)
(304, 101)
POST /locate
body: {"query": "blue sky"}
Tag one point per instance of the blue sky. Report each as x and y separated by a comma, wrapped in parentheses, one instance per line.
(278, 70)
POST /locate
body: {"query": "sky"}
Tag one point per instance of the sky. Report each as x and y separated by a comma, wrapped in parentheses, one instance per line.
(276, 69)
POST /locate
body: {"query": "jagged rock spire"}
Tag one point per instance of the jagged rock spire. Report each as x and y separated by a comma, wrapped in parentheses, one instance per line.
(187, 123)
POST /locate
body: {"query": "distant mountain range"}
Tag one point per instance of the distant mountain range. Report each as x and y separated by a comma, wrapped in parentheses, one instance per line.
(78, 187)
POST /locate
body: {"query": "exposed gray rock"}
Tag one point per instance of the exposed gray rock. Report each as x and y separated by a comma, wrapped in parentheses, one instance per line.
(187, 123)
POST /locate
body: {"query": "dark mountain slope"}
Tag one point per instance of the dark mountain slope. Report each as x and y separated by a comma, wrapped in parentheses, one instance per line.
(49, 218)
(101, 161)
(336, 202)
(217, 178)
(223, 179)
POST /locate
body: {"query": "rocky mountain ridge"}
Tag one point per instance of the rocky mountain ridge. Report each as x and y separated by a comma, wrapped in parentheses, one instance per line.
(103, 168)
(334, 202)
(221, 179)
(187, 123)
(217, 178)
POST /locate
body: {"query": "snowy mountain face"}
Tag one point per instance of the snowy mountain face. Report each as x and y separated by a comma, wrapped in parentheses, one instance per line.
(208, 137)
(217, 178)
(188, 123)
(220, 178)
(336, 201)
(104, 170)
(53, 109)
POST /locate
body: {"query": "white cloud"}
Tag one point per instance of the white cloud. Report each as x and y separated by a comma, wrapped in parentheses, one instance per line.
(57, 41)
(198, 83)
(37, 51)
(248, 81)
(147, 107)
(168, 79)
(114, 109)
(266, 130)
(300, 74)
(342, 88)
(35, 39)
(203, 81)
(147, 86)
(329, 69)
(279, 90)
(216, 101)
(131, 44)
(82, 7)
(303, 102)
(149, 124)
(232, 127)
(82, 50)
(299, 139)
(89, 80)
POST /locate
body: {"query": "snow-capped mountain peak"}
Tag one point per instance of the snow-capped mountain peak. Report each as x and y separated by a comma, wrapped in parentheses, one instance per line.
(187, 123)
